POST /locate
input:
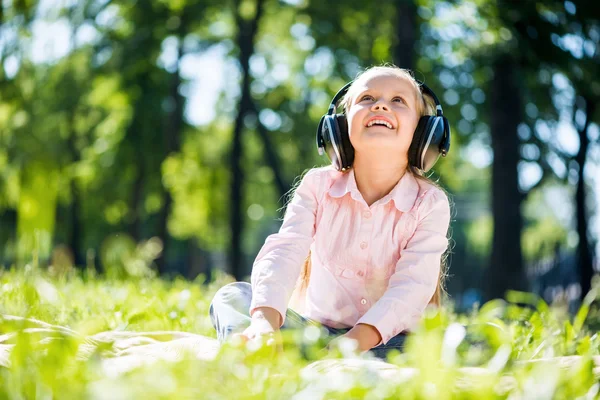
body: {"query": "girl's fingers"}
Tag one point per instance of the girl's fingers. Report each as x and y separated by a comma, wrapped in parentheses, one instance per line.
(241, 336)
(268, 338)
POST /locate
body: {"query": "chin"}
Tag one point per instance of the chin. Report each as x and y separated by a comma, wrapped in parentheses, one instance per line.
(381, 148)
(383, 140)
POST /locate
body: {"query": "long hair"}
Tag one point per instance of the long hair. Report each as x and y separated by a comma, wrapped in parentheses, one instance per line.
(426, 106)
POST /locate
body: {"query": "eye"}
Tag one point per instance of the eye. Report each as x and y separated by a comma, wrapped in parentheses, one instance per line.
(399, 99)
(366, 97)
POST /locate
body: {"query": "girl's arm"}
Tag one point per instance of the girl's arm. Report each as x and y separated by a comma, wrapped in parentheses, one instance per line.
(279, 262)
(268, 314)
(367, 336)
(416, 275)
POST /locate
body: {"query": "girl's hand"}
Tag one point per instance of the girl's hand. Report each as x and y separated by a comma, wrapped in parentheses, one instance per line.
(258, 330)
(363, 336)
(263, 328)
(344, 344)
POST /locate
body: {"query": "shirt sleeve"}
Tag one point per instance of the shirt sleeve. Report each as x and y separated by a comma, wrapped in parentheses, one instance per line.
(278, 263)
(414, 281)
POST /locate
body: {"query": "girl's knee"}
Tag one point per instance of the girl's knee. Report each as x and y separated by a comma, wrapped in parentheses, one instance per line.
(235, 287)
(233, 291)
(230, 306)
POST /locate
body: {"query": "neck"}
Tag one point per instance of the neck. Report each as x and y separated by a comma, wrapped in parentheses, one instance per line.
(376, 178)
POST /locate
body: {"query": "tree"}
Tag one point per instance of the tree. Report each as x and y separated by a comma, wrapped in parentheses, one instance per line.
(506, 265)
(247, 28)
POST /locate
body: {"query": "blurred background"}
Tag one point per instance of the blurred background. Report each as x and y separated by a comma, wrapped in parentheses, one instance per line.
(166, 133)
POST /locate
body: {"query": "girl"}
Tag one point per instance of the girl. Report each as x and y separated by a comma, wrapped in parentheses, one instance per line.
(373, 227)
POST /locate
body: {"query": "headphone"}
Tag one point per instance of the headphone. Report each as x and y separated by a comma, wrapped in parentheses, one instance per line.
(430, 140)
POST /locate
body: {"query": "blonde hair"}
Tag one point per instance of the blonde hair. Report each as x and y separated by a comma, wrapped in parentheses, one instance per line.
(425, 106)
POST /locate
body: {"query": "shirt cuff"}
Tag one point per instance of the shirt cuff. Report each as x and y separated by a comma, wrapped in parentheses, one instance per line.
(274, 297)
(385, 320)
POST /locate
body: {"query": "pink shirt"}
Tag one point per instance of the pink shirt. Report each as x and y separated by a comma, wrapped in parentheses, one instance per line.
(377, 265)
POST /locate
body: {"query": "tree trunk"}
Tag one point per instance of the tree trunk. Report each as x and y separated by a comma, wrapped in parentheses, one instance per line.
(406, 30)
(245, 41)
(585, 264)
(135, 223)
(134, 140)
(173, 133)
(8, 233)
(76, 232)
(506, 264)
(198, 261)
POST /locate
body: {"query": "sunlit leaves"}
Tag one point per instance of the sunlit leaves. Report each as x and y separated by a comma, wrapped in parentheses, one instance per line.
(36, 212)
(198, 182)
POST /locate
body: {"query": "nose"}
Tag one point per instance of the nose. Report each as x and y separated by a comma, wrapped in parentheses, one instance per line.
(380, 105)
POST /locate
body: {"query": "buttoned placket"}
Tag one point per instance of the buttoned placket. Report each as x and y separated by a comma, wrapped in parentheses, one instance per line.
(365, 234)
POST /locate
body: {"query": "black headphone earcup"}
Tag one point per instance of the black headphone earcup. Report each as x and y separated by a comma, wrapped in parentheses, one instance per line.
(445, 146)
(321, 146)
(346, 149)
(333, 140)
(330, 138)
(429, 135)
(416, 146)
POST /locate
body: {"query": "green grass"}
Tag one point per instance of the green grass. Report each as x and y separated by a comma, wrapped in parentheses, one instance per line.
(489, 353)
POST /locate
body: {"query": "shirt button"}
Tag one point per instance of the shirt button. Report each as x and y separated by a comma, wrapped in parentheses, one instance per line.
(367, 214)
(360, 273)
(363, 301)
(348, 273)
(363, 245)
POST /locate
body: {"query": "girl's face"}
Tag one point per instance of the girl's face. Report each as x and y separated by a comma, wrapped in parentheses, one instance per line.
(383, 114)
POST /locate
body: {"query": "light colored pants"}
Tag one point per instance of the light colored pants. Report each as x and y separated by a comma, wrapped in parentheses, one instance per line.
(229, 313)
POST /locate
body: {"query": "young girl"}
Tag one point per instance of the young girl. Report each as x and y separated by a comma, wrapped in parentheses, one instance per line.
(373, 227)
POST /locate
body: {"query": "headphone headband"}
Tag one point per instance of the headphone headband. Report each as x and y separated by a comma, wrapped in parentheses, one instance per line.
(338, 96)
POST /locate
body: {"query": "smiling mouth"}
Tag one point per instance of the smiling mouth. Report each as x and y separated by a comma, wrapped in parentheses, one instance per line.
(379, 122)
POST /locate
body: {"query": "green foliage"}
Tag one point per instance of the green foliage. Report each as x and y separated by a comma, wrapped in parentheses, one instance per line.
(96, 141)
(540, 239)
(480, 233)
(501, 350)
(122, 258)
(37, 207)
(198, 182)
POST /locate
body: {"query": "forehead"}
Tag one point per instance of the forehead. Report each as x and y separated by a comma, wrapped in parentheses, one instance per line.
(384, 83)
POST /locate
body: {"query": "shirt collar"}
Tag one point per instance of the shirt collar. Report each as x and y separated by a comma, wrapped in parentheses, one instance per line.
(404, 193)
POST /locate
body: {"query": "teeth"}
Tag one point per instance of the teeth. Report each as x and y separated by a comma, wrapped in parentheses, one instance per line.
(379, 121)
